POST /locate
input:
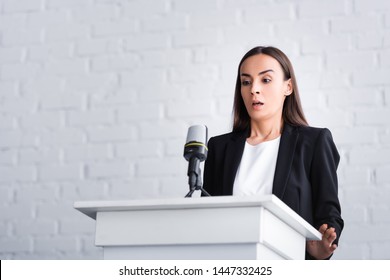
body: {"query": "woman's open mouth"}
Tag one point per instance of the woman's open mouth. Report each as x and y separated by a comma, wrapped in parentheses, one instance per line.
(257, 105)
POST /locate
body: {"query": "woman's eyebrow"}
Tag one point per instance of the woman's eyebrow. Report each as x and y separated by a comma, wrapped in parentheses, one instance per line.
(260, 73)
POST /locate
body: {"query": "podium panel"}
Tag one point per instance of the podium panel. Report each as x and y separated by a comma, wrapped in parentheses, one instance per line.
(199, 228)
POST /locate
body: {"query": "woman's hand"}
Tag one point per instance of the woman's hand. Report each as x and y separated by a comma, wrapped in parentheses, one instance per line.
(323, 249)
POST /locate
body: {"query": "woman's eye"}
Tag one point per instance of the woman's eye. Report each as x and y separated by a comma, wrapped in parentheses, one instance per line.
(245, 83)
(266, 80)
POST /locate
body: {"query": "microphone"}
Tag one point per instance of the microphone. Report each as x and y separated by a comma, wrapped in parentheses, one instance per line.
(195, 145)
(195, 151)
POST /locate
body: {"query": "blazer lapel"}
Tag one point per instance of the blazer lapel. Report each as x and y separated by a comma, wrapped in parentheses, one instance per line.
(284, 161)
(234, 151)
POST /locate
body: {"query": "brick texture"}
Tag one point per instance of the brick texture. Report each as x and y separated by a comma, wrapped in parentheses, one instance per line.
(96, 98)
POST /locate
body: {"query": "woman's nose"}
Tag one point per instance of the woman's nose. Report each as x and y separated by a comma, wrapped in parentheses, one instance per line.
(255, 89)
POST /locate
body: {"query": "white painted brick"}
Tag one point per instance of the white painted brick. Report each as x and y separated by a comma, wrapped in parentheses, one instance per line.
(366, 6)
(47, 18)
(350, 61)
(136, 78)
(96, 13)
(115, 28)
(189, 109)
(35, 227)
(55, 210)
(383, 175)
(307, 63)
(10, 139)
(176, 187)
(11, 55)
(133, 9)
(45, 53)
(162, 93)
(189, 6)
(10, 6)
(16, 212)
(19, 106)
(369, 156)
(7, 123)
(62, 101)
(174, 147)
(353, 98)
(301, 28)
(92, 117)
(65, 32)
(244, 37)
(67, 4)
(67, 67)
(166, 58)
(326, 43)
(137, 150)
(88, 152)
(355, 23)
(8, 157)
(90, 82)
(113, 133)
(37, 192)
(308, 9)
(161, 167)
(163, 130)
(60, 172)
(63, 136)
(114, 63)
(162, 23)
(193, 73)
(380, 250)
(116, 98)
(147, 41)
(372, 117)
(42, 86)
(274, 11)
(13, 20)
(380, 214)
(197, 37)
(329, 119)
(355, 214)
(39, 155)
(17, 174)
(361, 78)
(20, 37)
(58, 243)
(137, 188)
(40, 120)
(354, 176)
(19, 71)
(77, 227)
(9, 88)
(89, 190)
(369, 40)
(15, 245)
(101, 46)
(148, 111)
(213, 18)
(355, 135)
(109, 169)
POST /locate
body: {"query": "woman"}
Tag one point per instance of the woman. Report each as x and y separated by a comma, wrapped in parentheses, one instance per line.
(273, 150)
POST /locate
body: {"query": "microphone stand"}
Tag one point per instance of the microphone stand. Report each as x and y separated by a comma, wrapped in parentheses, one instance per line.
(195, 178)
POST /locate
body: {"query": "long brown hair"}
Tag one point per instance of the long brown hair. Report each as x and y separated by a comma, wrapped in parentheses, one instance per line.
(292, 108)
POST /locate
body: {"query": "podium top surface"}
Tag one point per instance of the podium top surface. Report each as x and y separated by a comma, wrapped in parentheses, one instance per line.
(269, 202)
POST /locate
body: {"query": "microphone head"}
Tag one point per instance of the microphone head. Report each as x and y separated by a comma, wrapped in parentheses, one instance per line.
(196, 143)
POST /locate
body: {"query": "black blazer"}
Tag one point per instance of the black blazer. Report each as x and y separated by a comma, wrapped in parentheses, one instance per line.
(305, 176)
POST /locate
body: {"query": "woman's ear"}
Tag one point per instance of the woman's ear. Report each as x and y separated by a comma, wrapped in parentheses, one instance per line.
(289, 88)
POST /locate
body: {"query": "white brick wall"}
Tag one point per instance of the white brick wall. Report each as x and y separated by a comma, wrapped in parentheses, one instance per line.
(96, 97)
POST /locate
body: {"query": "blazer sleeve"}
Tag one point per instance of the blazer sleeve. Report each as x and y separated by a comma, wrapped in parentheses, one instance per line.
(209, 173)
(326, 205)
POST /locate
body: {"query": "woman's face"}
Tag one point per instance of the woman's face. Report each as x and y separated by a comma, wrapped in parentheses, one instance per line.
(263, 87)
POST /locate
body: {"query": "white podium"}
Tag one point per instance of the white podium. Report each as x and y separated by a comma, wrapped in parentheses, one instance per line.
(224, 227)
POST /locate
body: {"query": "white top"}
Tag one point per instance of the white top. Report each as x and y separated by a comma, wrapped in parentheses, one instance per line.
(255, 174)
